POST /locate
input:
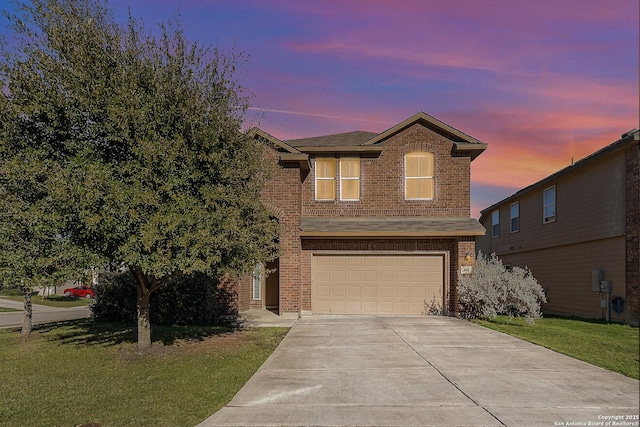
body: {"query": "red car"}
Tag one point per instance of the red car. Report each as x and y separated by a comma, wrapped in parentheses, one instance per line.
(79, 292)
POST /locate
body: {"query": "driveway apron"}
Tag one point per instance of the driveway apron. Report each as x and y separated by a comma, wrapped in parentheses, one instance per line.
(423, 371)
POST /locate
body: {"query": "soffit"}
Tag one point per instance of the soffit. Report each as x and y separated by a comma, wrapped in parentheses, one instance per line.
(390, 227)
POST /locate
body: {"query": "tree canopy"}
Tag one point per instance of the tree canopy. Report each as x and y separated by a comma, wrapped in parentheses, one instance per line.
(136, 142)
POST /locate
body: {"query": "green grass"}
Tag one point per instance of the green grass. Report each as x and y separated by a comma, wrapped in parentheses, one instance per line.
(6, 310)
(609, 345)
(53, 300)
(82, 371)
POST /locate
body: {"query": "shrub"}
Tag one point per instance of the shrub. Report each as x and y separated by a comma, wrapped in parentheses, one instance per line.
(185, 300)
(492, 289)
(433, 307)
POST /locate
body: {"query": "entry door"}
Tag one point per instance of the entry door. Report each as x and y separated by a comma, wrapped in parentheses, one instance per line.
(272, 285)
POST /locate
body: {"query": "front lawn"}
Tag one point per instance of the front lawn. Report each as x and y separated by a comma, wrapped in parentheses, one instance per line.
(608, 345)
(81, 371)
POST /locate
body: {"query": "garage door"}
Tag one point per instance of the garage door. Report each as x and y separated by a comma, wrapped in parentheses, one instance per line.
(375, 284)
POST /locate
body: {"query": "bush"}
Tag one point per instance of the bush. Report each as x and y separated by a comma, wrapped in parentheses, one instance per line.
(9, 292)
(186, 300)
(433, 307)
(492, 289)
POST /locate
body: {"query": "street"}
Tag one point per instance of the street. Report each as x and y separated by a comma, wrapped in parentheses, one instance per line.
(41, 314)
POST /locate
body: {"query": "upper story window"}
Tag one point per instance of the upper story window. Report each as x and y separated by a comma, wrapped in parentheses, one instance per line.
(326, 178)
(515, 217)
(495, 224)
(349, 178)
(419, 175)
(549, 202)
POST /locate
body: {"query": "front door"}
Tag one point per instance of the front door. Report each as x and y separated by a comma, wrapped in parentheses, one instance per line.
(272, 286)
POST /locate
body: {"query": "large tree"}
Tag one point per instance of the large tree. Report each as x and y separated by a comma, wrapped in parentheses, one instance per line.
(140, 143)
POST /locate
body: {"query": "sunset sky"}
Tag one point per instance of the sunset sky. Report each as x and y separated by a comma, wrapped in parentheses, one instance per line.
(540, 81)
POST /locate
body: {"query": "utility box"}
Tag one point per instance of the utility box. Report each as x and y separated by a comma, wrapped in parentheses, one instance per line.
(596, 280)
(605, 286)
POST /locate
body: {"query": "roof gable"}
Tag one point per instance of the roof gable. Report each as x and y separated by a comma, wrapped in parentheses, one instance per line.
(258, 133)
(462, 141)
(371, 142)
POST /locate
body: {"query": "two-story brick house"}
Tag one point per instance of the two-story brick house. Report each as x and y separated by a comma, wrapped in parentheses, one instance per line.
(369, 223)
(575, 228)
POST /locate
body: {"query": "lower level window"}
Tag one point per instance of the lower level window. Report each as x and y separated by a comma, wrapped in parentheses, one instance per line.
(257, 282)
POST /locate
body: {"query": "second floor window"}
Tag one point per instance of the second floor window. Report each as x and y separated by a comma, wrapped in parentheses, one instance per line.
(549, 200)
(325, 178)
(349, 178)
(419, 176)
(515, 217)
(495, 224)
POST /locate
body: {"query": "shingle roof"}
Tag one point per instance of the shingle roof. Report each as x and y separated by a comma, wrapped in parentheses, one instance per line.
(390, 227)
(337, 140)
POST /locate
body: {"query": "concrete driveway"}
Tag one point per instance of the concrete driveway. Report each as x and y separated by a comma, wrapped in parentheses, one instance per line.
(424, 371)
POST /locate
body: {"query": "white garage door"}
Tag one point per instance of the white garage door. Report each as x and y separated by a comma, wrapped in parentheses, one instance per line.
(375, 284)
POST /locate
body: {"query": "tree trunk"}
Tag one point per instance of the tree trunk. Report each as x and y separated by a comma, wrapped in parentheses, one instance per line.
(28, 316)
(144, 323)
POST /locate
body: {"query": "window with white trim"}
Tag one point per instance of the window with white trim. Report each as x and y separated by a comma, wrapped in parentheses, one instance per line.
(495, 224)
(326, 170)
(257, 282)
(549, 201)
(349, 178)
(515, 217)
(418, 174)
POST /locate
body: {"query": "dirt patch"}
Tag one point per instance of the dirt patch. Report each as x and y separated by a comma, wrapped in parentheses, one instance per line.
(219, 343)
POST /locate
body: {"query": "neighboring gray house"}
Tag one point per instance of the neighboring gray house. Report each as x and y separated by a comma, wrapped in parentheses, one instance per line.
(574, 230)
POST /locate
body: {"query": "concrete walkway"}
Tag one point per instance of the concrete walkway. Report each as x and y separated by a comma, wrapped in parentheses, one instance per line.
(423, 371)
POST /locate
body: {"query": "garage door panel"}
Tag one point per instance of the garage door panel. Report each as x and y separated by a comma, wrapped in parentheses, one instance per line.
(403, 275)
(369, 307)
(354, 307)
(369, 291)
(401, 307)
(322, 306)
(354, 291)
(375, 284)
(354, 276)
(385, 291)
(352, 262)
(417, 307)
(385, 275)
(418, 292)
(402, 291)
(338, 291)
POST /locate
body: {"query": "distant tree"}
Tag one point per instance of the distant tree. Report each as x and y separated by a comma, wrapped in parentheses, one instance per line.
(492, 289)
(32, 253)
(139, 143)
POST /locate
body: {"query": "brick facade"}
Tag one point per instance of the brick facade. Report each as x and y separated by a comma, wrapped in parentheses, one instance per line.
(632, 262)
(290, 195)
(382, 182)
